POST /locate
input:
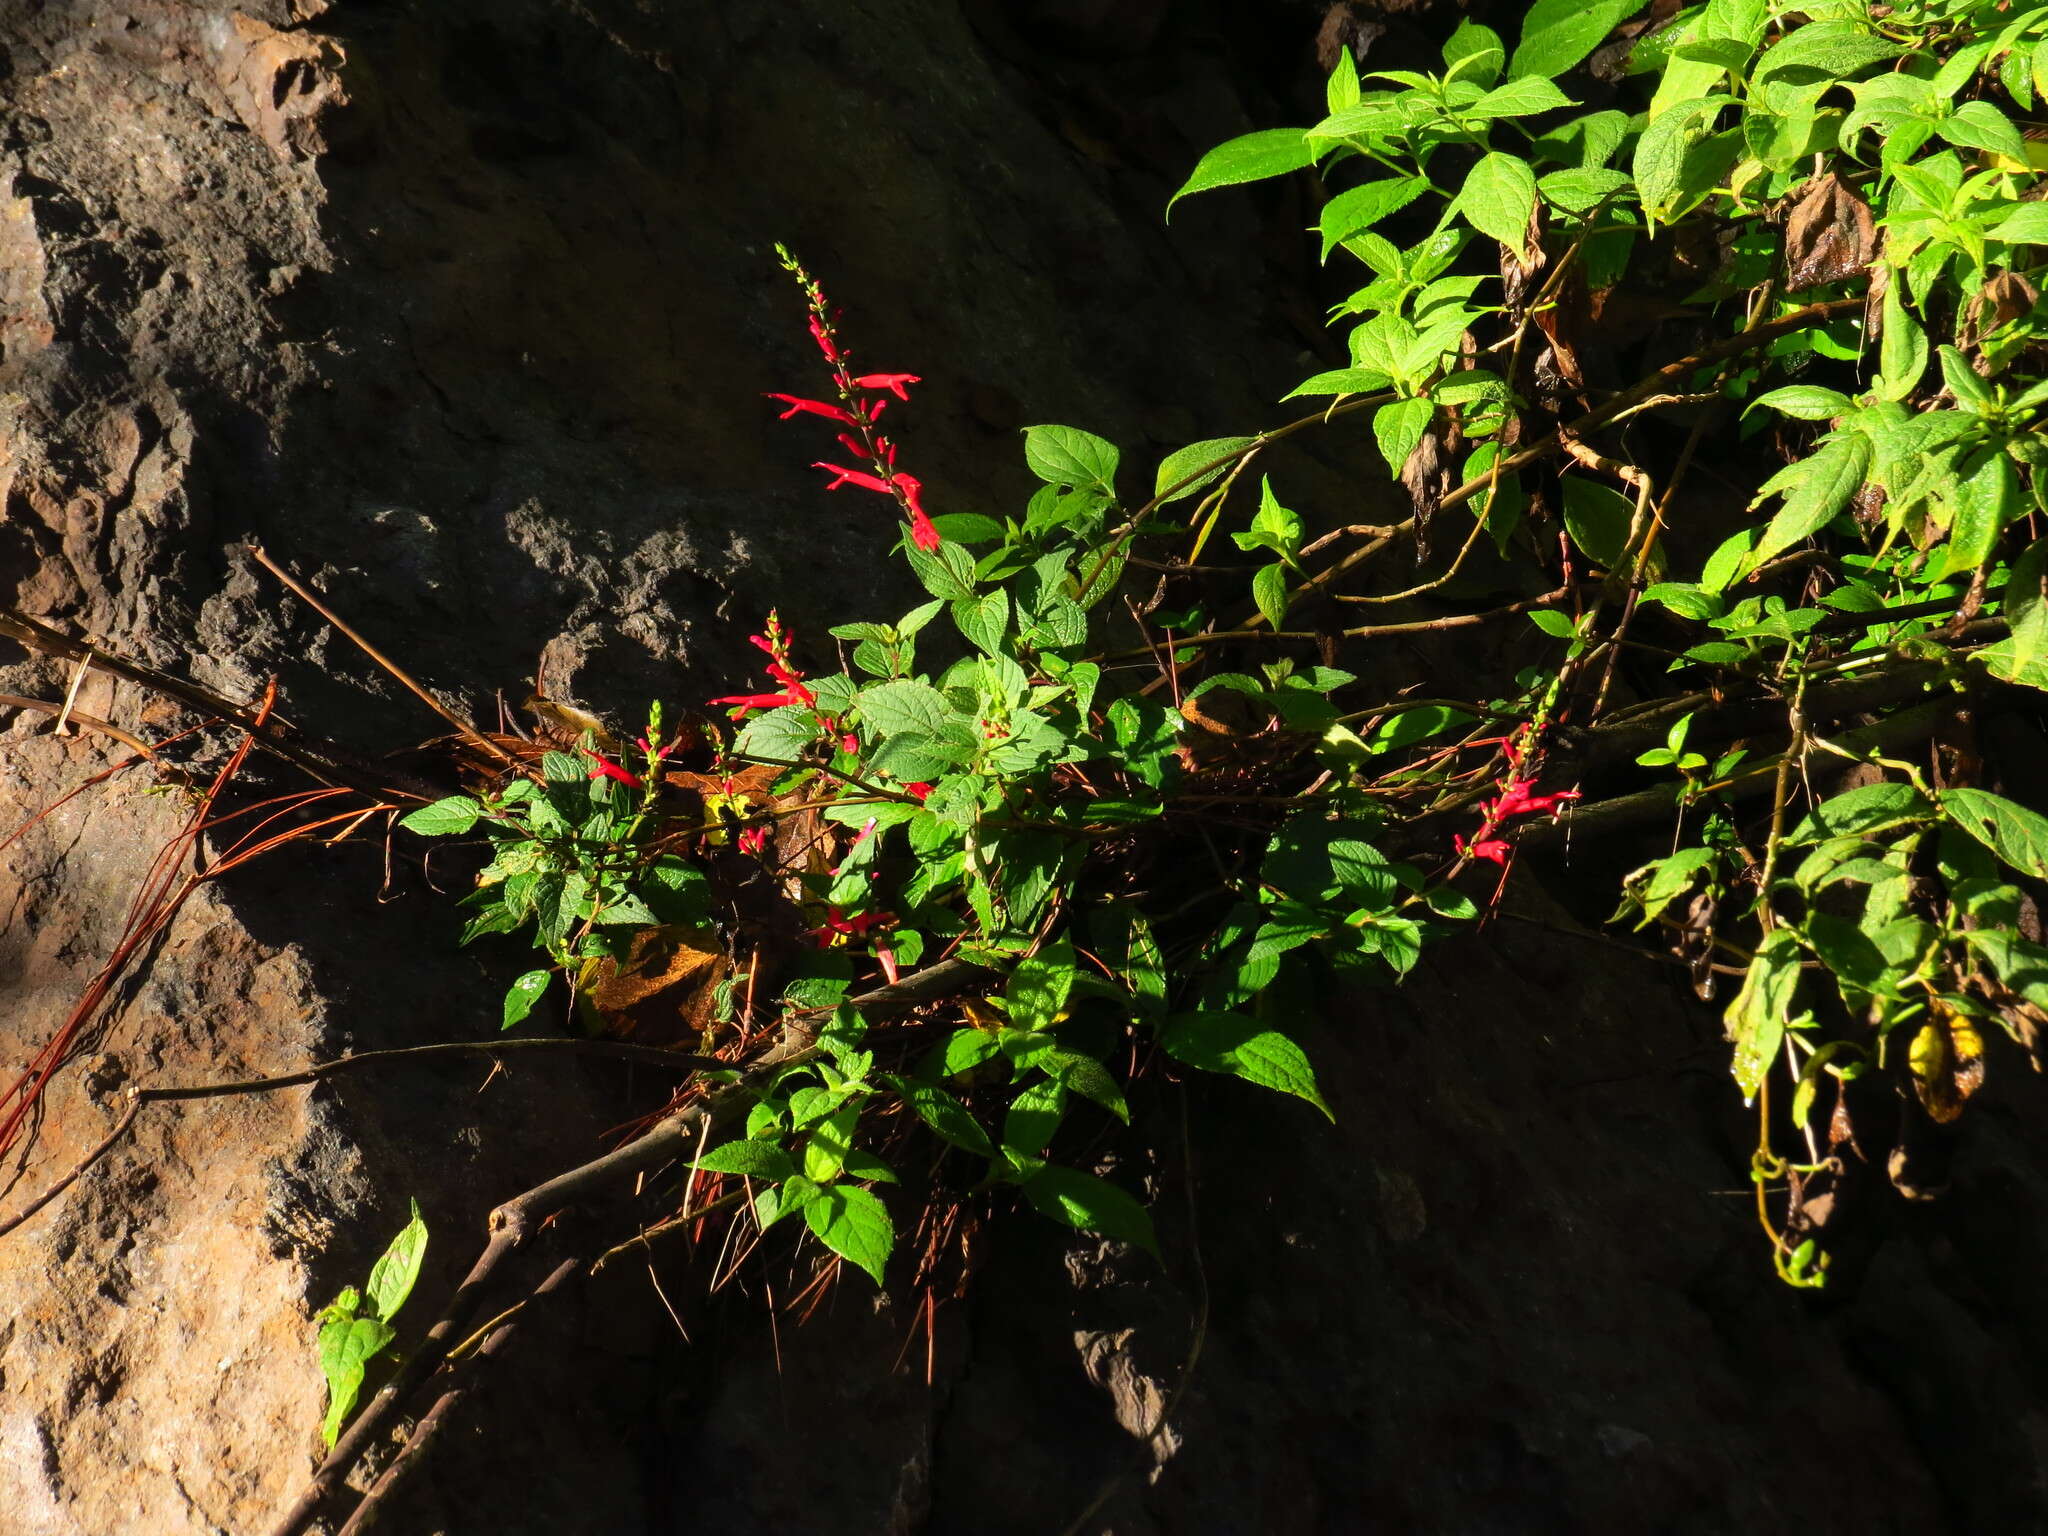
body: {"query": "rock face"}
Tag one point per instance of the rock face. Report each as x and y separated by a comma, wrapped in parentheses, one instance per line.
(462, 311)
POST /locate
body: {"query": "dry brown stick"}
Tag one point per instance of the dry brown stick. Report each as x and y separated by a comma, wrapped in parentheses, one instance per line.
(651, 1055)
(78, 717)
(518, 1218)
(377, 1500)
(1750, 780)
(325, 760)
(464, 727)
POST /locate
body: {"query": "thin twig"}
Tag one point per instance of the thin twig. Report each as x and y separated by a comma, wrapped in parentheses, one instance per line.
(468, 731)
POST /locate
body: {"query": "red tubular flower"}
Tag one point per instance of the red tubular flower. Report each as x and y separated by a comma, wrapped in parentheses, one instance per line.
(893, 382)
(1516, 800)
(919, 792)
(837, 923)
(922, 531)
(759, 700)
(753, 840)
(797, 403)
(857, 477)
(1492, 849)
(607, 769)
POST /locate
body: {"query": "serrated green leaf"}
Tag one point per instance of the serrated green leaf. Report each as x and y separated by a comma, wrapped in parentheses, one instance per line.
(1804, 402)
(1234, 1043)
(1398, 426)
(948, 1116)
(1557, 34)
(1986, 495)
(522, 995)
(1340, 381)
(1980, 125)
(984, 620)
(2025, 225)
(345, 1349)
(1826, 481)
(1525, 96)
(394, 1274)
(1089, 1204)
(1351, 213)
(1249, 157)
(1498, 196)
(1032, 1118)
(854, 1224)
(1862, 812)
(444, 818)
(749, 1159)
(1269, 592)
(1757, 1017)
(1183, 462)
(2017, 835)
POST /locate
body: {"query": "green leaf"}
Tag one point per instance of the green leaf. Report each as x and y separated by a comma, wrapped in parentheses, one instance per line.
(854, 1224)
(1472, 41)
(1039, 985)
(1758, 1015)
(1804, 402)
(782, 735)
(1579, 191)
(905, 705)
(1178, 465)
(1554, 624)
(1902, 354)
(1862, 812)
(1987, 499)
(1340, 381)
(1556, 34)
(1089, 1204)
(1033, 1117)
(1269, 592)
(1353, 212)
(2025, 225)
(947, 1115)
(444, 818)
(1233, 1043)
(984, 620)
(1825, 482)
(522, 995)
(749, 1160)
(829, 1142)
(946, 573)
(1823, 50)
(1666, 175)
(1089, 1078)
(1598, 518)
(1398, 426)
(345, 1348)
(1250, 157)
(392, 1277)
(2017, 835)
(1498, 196)
(1980, 125)
(1522, 97)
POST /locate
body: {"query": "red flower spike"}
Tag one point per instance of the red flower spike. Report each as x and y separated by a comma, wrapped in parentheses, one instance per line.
(607, 769)
(753, 840)
(892, 382)
(797, 403)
